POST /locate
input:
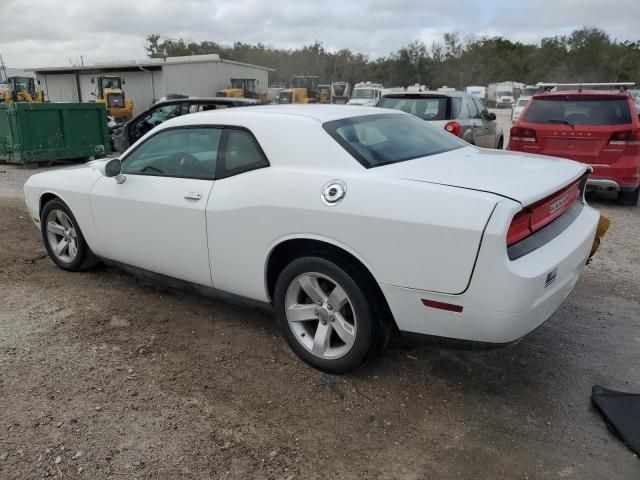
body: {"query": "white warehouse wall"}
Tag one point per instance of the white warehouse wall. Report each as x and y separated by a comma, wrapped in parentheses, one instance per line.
(59, 87)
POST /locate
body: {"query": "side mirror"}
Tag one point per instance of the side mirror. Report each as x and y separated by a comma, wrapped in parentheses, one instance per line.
(112, 169)
(492, 116)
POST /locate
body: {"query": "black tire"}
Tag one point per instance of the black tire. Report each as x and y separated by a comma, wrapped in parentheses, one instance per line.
(500, 144)
(373, 325)
(84, 258)
(629, 198)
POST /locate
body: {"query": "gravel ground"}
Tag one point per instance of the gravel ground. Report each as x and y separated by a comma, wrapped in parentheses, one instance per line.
(103, 376)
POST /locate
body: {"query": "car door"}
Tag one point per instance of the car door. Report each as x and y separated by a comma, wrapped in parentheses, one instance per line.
(490, 127)
(475, 122)
(155, 220)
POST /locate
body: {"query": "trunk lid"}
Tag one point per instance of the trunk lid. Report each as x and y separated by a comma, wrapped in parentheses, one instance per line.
(518, 176)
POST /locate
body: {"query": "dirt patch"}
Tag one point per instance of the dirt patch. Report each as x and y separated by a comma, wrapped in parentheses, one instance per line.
(104, 376)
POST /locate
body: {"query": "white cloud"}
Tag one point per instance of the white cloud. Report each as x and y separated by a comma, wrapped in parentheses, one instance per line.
(56, 33)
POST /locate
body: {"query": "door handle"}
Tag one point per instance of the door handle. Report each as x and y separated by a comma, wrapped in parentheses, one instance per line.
(193, 196)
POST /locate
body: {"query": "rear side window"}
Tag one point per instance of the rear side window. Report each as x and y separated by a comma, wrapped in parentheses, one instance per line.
(586, 111)
(427, 108)
(376, 140)
(240, 153)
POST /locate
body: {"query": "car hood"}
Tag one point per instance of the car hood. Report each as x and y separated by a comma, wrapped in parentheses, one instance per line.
(525, 178)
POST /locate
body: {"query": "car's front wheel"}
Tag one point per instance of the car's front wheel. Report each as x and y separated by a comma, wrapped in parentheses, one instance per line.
(328, 314)
(63, 238)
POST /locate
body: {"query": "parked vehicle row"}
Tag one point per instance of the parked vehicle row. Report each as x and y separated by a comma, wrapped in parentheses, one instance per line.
(363, 221)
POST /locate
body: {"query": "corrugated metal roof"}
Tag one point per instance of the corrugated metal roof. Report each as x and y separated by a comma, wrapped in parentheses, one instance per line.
(146, 63)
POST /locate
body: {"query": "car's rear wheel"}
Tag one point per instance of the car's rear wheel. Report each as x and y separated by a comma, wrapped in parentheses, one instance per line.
(629, 197)
(328, 315)
(63, 238)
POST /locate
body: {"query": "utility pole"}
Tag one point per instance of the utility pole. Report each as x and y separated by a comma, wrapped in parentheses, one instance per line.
(4, 70)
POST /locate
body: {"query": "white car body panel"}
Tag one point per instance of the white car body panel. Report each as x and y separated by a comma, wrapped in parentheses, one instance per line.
(430, 228)
(147, 222)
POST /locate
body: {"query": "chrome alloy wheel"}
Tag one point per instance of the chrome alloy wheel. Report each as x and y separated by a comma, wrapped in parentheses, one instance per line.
(62, 236)
(320, 315)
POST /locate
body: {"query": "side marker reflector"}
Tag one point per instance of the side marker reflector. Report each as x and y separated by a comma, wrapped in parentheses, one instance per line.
(442, 305)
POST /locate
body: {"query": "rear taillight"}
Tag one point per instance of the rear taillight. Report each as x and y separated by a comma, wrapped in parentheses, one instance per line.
(625, 137)
(523, 134)
(543, 212)
(453, 128)
(520, 228)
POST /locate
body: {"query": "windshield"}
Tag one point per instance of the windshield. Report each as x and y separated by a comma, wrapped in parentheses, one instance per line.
(111, 82)
(586, 111)
(504, 94)
(367, 93)
(305, 83)
(427, 108)
(376, 140)
(23, 83)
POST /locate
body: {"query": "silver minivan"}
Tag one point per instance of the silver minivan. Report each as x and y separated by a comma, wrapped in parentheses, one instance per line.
(459, 113)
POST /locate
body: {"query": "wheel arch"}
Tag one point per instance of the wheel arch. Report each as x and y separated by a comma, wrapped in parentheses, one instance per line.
(46, 197)
(288, 249)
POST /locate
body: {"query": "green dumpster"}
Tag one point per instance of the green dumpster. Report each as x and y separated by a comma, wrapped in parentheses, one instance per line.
(44, 132)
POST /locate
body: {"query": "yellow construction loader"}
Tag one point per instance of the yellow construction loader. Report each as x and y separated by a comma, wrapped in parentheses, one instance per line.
(109, 92)
(243, 88)
(304, 89)
(21, 89)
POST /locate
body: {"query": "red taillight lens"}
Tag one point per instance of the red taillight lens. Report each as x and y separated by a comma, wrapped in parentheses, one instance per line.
(541, 213)
(522, 134)
(625, 137)
(520, 228)
(453, 128)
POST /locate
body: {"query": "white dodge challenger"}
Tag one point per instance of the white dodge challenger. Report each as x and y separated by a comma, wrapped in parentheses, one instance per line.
(349, 221)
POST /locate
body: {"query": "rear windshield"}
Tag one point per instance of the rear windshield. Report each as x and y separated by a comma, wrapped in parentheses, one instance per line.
(376, 140)
(586, 111)
(427, 108)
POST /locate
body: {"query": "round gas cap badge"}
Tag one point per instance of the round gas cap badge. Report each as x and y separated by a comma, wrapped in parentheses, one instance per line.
(333, 192)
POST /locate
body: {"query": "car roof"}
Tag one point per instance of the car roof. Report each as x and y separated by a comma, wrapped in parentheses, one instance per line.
(581, 93)
(236, 100)
(315, 112)
(428, 93)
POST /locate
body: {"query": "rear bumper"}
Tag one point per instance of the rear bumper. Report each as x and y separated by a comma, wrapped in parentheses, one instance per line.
(505, 299)
(625, 173)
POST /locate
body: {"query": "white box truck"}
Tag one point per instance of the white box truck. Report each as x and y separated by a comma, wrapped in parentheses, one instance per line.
(477, 91)
(500, 95)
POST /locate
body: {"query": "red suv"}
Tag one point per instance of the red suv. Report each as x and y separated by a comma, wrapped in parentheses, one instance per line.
(598, 128)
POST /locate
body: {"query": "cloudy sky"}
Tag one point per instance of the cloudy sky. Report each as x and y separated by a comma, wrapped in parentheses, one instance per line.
(54, 32)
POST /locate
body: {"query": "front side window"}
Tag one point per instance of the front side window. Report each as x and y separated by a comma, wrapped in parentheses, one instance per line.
(587, 111)
(180, 152)
(484, 113)
(471, 109)
(376, 140)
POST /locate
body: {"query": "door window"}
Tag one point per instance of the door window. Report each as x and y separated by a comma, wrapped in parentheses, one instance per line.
(472, 110)
(155, 117)
(484, 113)
(179, 152)
(241, 153)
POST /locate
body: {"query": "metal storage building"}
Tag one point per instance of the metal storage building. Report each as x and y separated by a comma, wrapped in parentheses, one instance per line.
(148, 80)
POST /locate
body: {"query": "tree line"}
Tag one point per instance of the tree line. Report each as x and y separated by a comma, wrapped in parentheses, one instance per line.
(588, 54)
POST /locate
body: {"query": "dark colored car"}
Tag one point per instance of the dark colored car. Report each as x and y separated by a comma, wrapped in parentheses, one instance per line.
(598, 128)
(459, 113)
(126, 134)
